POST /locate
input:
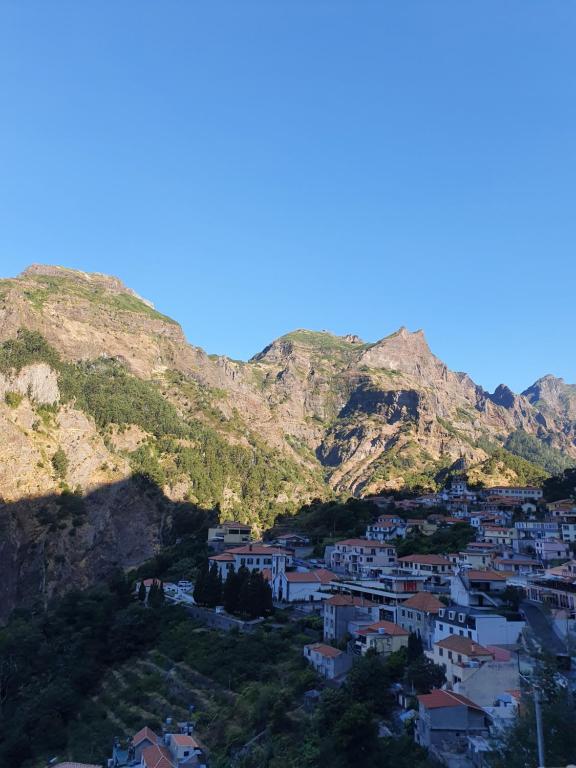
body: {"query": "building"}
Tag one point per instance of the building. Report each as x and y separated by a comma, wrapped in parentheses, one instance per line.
(229, 534)
(292, 541)
(446, 720)
(478, 672)
(388, 592)
(502, 536)
(382, 637)
(292, 586)
(481, 626)
(556, 588)
(329, 662)
(386, 528)
(548, 550)
(471, 587)
(343, 612)
(148, 750)
(568, 529)
(255, 557)
(435, 568)
(418, 614)
(517, 564)
(515, 492)
(361, 557)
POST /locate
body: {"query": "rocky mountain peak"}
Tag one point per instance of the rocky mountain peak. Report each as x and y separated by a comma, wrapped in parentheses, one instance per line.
(95, 279)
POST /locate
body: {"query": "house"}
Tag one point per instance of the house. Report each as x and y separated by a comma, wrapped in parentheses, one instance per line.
(292, 586)
(383, 637)
(142, 740)
(229, 534)
(157, 756)
(418, 614)
(329, 662)
(340, 611)
(551, 549)
(481, 626)
(568, 529)
(478, 672)
(516, 564)
(386, 528)
(502, 536)
(446, 719)
(361, 557)
(292, 541)
(515, 492)
(388, 592)
(557, 588)
(255, 557)
(184, 748)
(472, 587)
(476, 557)
(435, 567)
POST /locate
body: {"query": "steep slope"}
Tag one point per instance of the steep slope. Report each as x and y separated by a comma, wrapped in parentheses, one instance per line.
(110, 419)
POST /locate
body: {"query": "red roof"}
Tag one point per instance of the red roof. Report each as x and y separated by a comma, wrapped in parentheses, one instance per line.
(424, 601)
(183, 740)
(485, 575)
(157, 757)
(224, 557)
(437, 699)
(349, 600)
(363, 543)
(257, 549)
(320, 576)
(324, 650)
(389, 627)
(145, 733)
(463, 645)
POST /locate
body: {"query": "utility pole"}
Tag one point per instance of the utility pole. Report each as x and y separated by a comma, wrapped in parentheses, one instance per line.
(539, 727)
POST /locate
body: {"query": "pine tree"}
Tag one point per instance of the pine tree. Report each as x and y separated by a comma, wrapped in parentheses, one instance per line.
(415, 647)
(231, 591)
(213, 592)
(201, 584)
(156, 595)
(142, 592)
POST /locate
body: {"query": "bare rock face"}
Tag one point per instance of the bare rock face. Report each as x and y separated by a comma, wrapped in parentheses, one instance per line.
(364, 416)
(38, 381)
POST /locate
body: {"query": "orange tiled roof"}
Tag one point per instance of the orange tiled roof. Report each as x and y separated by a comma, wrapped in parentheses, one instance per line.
(363, 543)
(349, 600)
(325, 650)
(438, 698)
(145, 733)
(424, 601)
(157, 757)
(463, 645)
(321, 576)
(389, 626)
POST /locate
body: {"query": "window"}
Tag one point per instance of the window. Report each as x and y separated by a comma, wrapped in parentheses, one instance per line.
(441, 627)
(451, 615)
(441, 614)
(461, 617)
(186, 753)
(451, 630)
(441, 651)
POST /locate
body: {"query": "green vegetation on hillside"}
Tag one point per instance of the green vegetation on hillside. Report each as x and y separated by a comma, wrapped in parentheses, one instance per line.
(526, 472)
(48, 287)
(535, 451)
(452, 538)
(258, 481)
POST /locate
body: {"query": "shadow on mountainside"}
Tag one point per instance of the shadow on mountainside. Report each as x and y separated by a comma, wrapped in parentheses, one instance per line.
(50, 544)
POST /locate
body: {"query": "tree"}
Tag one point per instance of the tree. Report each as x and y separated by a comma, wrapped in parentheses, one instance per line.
(200, 584)
(424, 675)
(213, 589)
(60, 463)
(231, 589)
(142, 592)
(368, 683)
(415, 647)
(355, 735)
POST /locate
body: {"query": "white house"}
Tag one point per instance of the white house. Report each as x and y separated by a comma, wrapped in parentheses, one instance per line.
(292, 586)
(361, 557)
(327, 661)
(480, 626)
(255, 557)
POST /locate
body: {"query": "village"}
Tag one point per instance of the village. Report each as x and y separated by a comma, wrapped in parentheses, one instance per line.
(480, 617)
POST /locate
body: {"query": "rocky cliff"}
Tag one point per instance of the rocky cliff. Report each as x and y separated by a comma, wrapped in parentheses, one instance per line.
(97, 387)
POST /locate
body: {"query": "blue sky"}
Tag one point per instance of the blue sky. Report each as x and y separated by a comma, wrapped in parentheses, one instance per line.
(258, 166)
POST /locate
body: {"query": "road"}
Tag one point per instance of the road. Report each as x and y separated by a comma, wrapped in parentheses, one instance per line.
(540, 626)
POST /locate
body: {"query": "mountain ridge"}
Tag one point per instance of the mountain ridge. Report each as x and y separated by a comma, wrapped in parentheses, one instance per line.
(92, 373)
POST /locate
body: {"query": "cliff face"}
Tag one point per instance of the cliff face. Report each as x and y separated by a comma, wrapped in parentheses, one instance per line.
(121, 391)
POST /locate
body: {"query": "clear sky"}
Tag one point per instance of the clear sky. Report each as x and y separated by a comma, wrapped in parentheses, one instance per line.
(255, 166)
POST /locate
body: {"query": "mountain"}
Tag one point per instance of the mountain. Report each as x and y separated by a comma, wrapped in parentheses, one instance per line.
(112, 421)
